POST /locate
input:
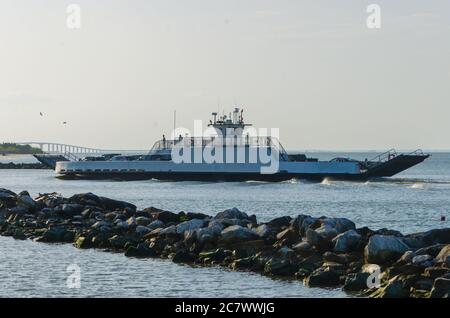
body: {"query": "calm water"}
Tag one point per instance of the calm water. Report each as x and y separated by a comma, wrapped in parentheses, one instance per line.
(412, 201)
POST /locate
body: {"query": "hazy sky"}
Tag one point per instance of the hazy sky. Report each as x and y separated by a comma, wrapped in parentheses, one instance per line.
(311, 68)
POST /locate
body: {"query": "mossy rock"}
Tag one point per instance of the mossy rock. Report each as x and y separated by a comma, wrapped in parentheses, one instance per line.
(82, 242)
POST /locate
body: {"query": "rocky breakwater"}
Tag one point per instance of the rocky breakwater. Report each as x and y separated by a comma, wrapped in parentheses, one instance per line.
(318, 251)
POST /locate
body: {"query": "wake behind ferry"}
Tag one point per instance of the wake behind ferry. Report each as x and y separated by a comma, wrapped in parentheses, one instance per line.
(253, 158)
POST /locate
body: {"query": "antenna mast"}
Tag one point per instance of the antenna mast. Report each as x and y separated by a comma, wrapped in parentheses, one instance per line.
(174, 120)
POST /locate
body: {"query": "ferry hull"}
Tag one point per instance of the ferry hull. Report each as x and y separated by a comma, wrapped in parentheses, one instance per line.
(396, 165)
(211, 177)
(166, 170)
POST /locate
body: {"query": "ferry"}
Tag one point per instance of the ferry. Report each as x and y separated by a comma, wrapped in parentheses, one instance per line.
(258, 158)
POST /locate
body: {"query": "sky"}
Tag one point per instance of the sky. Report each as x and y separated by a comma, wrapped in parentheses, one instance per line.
(313, 69)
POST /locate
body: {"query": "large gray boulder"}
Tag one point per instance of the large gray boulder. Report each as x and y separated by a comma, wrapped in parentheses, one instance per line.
(383, 249)
(102, 224)
(102, 202)
(7, 198)
(322, 231)
(356, 281)
(423, 260)
(327, 231)
(142, 220)
(323, 277)
(163, 216)
(280, 222)
(215, 226)
(303, 248)
(155, 224)
(171, 230)
(432, 250)
(233, 213)
(341, 225)
(229, 222)
(435, 236)
(317, 240)
(191, 225)
(263, 230)
(122, 225)
(280, 266)
(6, 194)
(304, 223)
(346, 242)
(393, 289)
(24, 199)
(71, 209)
(205, 234)
(142, 230)
(211, 232)
(237, 233)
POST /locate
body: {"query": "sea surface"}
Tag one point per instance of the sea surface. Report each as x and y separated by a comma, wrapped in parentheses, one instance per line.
(412, 201)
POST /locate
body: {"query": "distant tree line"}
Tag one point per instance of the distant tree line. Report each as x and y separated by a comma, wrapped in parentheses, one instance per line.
(12, 148)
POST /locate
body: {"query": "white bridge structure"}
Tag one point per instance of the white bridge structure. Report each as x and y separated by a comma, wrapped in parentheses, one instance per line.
(66, 149)
(58, 148)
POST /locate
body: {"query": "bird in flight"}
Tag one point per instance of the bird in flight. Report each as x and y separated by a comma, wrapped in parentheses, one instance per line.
(40, 113)
(64, 122)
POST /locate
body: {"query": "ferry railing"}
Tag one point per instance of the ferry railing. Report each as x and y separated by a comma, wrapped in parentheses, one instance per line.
(385, 156)
(71, 156)
(417, 152)
(392, 153)
(259, 141)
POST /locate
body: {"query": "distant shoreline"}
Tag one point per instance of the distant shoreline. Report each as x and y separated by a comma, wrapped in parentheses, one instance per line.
(15, 149)
(12, 165)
